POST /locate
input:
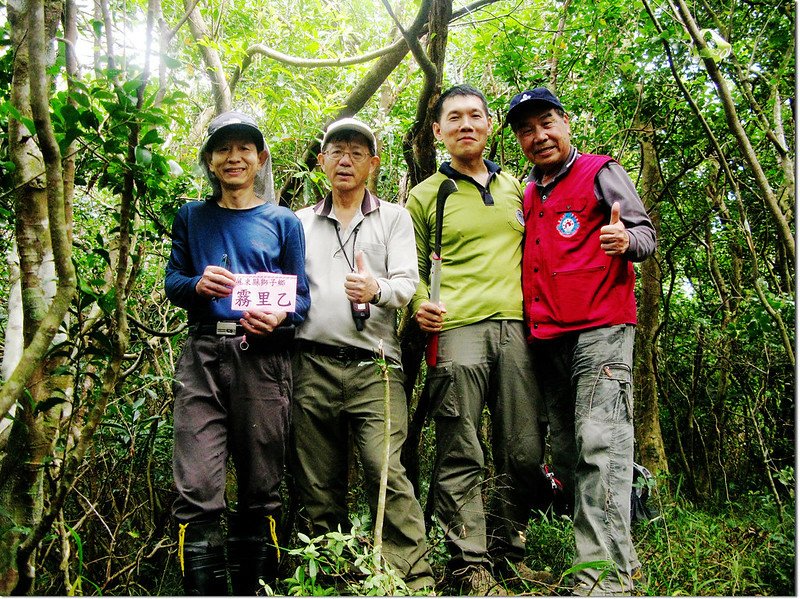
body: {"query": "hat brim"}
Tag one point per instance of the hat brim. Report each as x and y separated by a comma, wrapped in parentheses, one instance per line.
(528, 106)
(248, 130)
(335, 129)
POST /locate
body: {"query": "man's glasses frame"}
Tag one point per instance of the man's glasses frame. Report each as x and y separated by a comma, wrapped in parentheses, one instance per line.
(357, 156)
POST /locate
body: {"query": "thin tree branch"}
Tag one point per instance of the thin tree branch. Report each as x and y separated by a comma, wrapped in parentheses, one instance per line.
(735, 125)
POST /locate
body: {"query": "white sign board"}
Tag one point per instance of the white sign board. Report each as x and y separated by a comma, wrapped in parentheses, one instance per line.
(264, 291)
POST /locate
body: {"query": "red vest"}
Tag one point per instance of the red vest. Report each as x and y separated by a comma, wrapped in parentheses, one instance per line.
(568, 282)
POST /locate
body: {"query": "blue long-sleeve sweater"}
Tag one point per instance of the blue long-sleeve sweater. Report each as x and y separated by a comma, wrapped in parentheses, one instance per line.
(266, 238)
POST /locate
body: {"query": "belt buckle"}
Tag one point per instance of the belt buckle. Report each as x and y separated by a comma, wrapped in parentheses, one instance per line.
(342, 354)
(226, 328)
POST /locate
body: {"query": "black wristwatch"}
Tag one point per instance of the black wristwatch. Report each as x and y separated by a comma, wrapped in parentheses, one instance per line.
(376, 298)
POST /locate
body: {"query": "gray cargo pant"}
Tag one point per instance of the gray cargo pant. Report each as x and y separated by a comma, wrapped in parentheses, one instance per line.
(485, 364)
(229, 401)
(586, 381)
(333, 399)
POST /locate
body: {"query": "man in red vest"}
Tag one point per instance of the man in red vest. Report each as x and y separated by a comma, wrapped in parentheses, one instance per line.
(585, 225)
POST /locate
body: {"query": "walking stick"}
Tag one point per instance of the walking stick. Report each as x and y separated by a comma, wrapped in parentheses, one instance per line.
(447, 187)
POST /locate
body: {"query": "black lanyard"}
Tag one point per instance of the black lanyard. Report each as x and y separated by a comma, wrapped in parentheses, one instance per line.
(351, 264)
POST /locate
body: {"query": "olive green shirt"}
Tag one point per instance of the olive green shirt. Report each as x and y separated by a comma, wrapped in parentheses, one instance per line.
(481, 246)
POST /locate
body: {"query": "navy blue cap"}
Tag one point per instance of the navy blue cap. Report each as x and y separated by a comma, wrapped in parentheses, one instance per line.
(529, 98)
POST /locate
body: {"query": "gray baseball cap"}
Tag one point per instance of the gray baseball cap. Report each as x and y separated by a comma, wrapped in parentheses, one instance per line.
(233, 120)
(351, 124)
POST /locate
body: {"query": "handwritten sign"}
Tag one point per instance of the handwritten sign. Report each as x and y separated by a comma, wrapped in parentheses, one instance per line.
(264, 291)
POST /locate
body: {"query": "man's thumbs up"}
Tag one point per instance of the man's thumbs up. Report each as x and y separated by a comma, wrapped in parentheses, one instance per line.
(614, 213)
(361, 268)
(614, 239)
(361, 286)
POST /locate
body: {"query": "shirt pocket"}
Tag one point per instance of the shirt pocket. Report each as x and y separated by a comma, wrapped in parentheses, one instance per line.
(574, 293)
(569, 217)
(375, 254)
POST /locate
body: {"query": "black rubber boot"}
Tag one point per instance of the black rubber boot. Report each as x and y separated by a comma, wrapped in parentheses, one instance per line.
(253, 551)
(201, 554)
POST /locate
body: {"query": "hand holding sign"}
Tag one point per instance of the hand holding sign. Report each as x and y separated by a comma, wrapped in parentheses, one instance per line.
(261, 323)
(614, 239)
(216, 282)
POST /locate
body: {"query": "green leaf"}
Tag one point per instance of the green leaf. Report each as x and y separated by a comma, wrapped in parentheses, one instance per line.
(171, 63)
(601, 564)
(78, 545)
(312, 568)
(150, 137)
(108, 301)
(143, 156)
(70, 115)
(12, 111)
(89, 120)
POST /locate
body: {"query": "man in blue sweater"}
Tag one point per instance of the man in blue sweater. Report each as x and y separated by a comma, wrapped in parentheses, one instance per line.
(233, 379)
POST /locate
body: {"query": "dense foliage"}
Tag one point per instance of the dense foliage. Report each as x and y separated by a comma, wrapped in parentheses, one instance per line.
(722, 344)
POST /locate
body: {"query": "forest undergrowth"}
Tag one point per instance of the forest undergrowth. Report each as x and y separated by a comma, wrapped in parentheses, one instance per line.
(739, 548)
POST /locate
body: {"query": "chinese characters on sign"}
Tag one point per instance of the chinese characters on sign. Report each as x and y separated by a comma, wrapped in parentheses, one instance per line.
(264, 291)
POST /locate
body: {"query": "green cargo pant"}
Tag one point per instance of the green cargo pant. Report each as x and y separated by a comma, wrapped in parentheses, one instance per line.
(485, 364)
(586, 381)
(332, 399)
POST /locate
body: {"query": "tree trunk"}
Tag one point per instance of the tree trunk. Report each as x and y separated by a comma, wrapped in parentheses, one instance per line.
(45, 256)
(647, 425)
(419, 150)
(361, 94)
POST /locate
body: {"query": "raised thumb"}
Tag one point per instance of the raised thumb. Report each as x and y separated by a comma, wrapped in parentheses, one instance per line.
(614, 213)
(360, 266)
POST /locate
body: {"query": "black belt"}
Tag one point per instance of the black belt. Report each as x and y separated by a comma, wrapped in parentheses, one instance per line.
(227, 328)
(345, 353)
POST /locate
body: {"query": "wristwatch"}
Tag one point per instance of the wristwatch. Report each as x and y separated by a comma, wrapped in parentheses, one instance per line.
(377, 297)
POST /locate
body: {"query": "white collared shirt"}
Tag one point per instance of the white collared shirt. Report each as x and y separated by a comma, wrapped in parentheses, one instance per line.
(383, 231)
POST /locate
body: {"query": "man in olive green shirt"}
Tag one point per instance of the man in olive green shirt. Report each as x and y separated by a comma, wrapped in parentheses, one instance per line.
(483, 358)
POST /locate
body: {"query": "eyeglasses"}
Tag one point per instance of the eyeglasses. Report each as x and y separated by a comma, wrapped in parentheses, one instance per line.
(357, 156)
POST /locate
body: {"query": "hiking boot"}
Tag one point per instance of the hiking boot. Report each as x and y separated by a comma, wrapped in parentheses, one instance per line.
(253, 550)
(519, 571)
(201, 557)
(476, 580)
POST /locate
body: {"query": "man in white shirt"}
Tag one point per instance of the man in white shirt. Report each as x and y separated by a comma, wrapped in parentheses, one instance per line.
(362, 267)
